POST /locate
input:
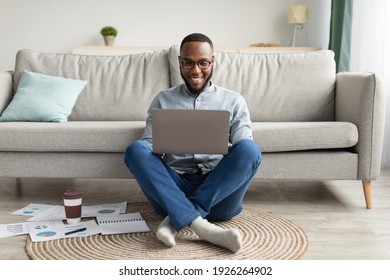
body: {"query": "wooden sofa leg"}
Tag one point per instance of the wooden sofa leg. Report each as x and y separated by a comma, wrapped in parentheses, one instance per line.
(367, 193)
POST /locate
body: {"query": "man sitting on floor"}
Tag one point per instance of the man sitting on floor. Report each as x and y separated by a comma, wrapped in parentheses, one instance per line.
(192, 189)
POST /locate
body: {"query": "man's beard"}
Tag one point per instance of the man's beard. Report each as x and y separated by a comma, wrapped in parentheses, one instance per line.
(205, 84)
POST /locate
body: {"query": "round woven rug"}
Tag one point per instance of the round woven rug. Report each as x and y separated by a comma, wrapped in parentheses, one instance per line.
(265, 236)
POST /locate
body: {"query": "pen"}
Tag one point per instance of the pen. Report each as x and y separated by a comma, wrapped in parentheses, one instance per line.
(75, 231)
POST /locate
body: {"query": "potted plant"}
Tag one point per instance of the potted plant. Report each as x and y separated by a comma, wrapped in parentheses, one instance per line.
(109, 33)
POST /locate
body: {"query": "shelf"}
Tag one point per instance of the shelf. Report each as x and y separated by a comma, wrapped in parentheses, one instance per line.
(113, 50)
(277, 49)
(124, 50)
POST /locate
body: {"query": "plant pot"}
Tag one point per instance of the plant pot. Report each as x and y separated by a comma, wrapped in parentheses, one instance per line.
(109, 40)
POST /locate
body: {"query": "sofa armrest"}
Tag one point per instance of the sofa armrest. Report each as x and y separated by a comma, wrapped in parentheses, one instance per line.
(6, 89)
(360, 100)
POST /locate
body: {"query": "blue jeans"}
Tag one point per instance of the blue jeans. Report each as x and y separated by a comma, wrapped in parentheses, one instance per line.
(216, 195)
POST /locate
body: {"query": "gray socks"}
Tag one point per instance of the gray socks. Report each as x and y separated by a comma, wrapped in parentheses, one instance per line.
(227, 238)
(166, 233)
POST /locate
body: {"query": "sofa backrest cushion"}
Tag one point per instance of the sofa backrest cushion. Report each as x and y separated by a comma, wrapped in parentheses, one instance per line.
(277, 87)
(120, 88)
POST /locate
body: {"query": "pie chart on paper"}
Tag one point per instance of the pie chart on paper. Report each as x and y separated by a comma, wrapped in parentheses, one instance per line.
(46, 233)
(41, 227)
(106, 211)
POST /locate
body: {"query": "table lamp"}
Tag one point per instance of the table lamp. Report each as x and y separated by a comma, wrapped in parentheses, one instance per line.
(298, 15)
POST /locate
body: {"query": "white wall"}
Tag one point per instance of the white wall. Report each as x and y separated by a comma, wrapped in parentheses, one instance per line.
(56, 26)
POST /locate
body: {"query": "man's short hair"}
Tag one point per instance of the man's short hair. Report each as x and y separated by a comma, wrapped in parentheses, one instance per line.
(197, 37)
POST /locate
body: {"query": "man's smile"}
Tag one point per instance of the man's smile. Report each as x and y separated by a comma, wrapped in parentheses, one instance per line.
(196, 80)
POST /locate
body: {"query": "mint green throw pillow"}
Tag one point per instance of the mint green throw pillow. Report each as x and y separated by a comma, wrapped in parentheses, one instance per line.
(43, 98)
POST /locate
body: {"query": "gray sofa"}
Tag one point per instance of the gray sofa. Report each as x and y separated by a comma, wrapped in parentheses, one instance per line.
(311, 123)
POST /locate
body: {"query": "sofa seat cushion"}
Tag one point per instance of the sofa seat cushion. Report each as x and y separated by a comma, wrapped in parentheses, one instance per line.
(70, 136)
(115, 136)
(299, 136)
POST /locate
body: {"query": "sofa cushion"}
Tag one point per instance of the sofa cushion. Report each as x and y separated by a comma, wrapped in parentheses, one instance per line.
(299, 136)
(119, 87)
(115, 136)
(73, 136)
(277, 87)
(43, 98)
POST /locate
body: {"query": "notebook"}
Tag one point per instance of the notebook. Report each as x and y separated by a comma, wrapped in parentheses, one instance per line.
(124, 223)
(190, 131)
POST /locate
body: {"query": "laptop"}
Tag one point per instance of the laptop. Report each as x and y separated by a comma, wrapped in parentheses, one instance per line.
(178, 131)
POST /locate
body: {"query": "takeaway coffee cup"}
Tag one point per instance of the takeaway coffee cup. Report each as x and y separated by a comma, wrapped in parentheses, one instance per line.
(72, 204)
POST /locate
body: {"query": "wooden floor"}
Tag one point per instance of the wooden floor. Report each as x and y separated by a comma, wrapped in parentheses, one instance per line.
(332, 213)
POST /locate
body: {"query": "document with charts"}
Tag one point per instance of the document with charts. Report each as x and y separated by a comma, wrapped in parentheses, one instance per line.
(124, 223)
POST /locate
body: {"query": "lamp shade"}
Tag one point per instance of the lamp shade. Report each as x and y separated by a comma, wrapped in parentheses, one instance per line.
(298, 14)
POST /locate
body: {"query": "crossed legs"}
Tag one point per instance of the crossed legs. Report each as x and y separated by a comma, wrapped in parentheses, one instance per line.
(218, 196)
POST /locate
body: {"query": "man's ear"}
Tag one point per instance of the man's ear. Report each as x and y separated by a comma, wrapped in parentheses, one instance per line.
(213, 60)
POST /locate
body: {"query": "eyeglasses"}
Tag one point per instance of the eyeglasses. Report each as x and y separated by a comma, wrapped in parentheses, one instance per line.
(188, 64)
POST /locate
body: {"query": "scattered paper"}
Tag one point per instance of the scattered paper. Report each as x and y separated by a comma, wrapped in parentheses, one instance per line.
(91, 227)
(46, 230)
(32, 209)
(8, 230)
(54, 213)
(104, 209)
(52, 230)
(57, 212)
(46, 222)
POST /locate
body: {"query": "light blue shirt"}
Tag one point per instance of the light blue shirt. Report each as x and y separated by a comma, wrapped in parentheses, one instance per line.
(212, 98)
